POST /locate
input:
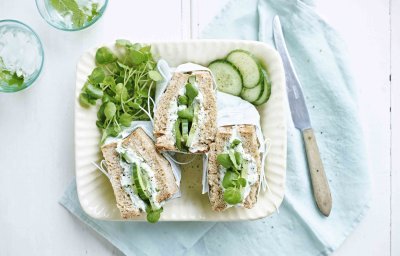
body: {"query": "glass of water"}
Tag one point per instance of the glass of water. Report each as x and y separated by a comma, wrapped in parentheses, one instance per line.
(71, 15)
(21, 56)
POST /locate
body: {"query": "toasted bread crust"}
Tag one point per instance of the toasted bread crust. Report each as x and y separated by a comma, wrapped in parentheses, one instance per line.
(140, 143)
(250, 145)
(161, 117)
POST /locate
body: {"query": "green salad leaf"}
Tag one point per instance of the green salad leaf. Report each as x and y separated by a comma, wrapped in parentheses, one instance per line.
(124, 84)
(233, 181)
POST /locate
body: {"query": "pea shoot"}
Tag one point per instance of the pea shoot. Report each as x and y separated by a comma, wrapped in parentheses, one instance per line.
(233, 196)
(153, 215)
(124, 84)
(233, 181)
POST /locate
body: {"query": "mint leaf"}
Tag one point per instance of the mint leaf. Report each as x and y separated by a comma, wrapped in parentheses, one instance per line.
(11, 78)
(70, 6)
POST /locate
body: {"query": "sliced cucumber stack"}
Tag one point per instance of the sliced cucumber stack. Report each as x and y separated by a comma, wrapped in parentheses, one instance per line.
(247, 66)
(227, 77)
(240, 74)
(266, 93)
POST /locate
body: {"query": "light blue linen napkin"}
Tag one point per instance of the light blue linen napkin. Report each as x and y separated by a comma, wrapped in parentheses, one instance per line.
(139, 238)
(299, 229)
(319, 58)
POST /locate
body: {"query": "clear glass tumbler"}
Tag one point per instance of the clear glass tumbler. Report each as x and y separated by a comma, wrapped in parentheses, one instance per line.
(71, 15)
(21, 56)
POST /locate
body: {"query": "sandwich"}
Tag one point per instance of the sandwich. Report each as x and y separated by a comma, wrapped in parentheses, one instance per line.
(234, 167)
(142, 179)
(185, 118)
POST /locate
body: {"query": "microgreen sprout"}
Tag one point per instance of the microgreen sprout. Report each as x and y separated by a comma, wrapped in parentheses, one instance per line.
(124, 83)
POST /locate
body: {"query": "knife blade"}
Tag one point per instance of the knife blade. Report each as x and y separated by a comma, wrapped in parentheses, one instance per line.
(301, 120)
(298, 107)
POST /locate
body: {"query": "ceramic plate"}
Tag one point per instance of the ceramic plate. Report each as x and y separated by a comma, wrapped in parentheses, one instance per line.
(94, 189)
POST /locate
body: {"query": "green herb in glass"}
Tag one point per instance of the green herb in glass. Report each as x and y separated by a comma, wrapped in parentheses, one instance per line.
(11, 78)
(79, 15)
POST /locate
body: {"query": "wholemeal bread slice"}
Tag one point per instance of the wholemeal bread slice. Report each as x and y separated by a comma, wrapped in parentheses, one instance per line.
(144, 146)
(114, 169)
(162, 117)
(141, 144)
(248, 137)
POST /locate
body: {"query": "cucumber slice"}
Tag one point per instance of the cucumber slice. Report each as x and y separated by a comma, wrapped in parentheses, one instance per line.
(185, 130)
(191, 91)
(192, 79)
(226, 76)
(182, 100)
(248, 67)
(252, 94)
(178, 137)
(266, 92)
(140, 183)
(186, 113)
(127, 158)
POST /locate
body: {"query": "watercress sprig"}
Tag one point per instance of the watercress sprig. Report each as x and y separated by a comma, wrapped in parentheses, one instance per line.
(124, 83)
(233, 181)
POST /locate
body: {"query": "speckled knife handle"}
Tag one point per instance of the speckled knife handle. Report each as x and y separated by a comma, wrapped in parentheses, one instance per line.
(322, 193)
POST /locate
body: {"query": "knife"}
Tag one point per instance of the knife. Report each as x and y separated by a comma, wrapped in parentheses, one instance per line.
(301, 120)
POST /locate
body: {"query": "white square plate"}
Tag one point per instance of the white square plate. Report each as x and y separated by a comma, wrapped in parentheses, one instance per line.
(94, 189)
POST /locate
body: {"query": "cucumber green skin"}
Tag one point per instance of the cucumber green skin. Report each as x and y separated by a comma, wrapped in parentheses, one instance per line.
(255, 60)
(266, 92)
(234, 68)
(247, 94)
(138, 180)
(178, 134)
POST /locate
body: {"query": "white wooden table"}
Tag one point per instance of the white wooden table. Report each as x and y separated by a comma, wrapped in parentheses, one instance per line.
(36, 125)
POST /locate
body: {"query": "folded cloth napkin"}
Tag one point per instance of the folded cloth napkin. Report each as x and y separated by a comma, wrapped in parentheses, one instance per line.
(319, 58)
(139, 238)
(299, 228)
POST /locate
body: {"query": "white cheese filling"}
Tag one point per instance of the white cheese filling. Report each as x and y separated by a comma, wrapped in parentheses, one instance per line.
(201, 117)
(127, 181)
(173, 116)
(252, 174)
